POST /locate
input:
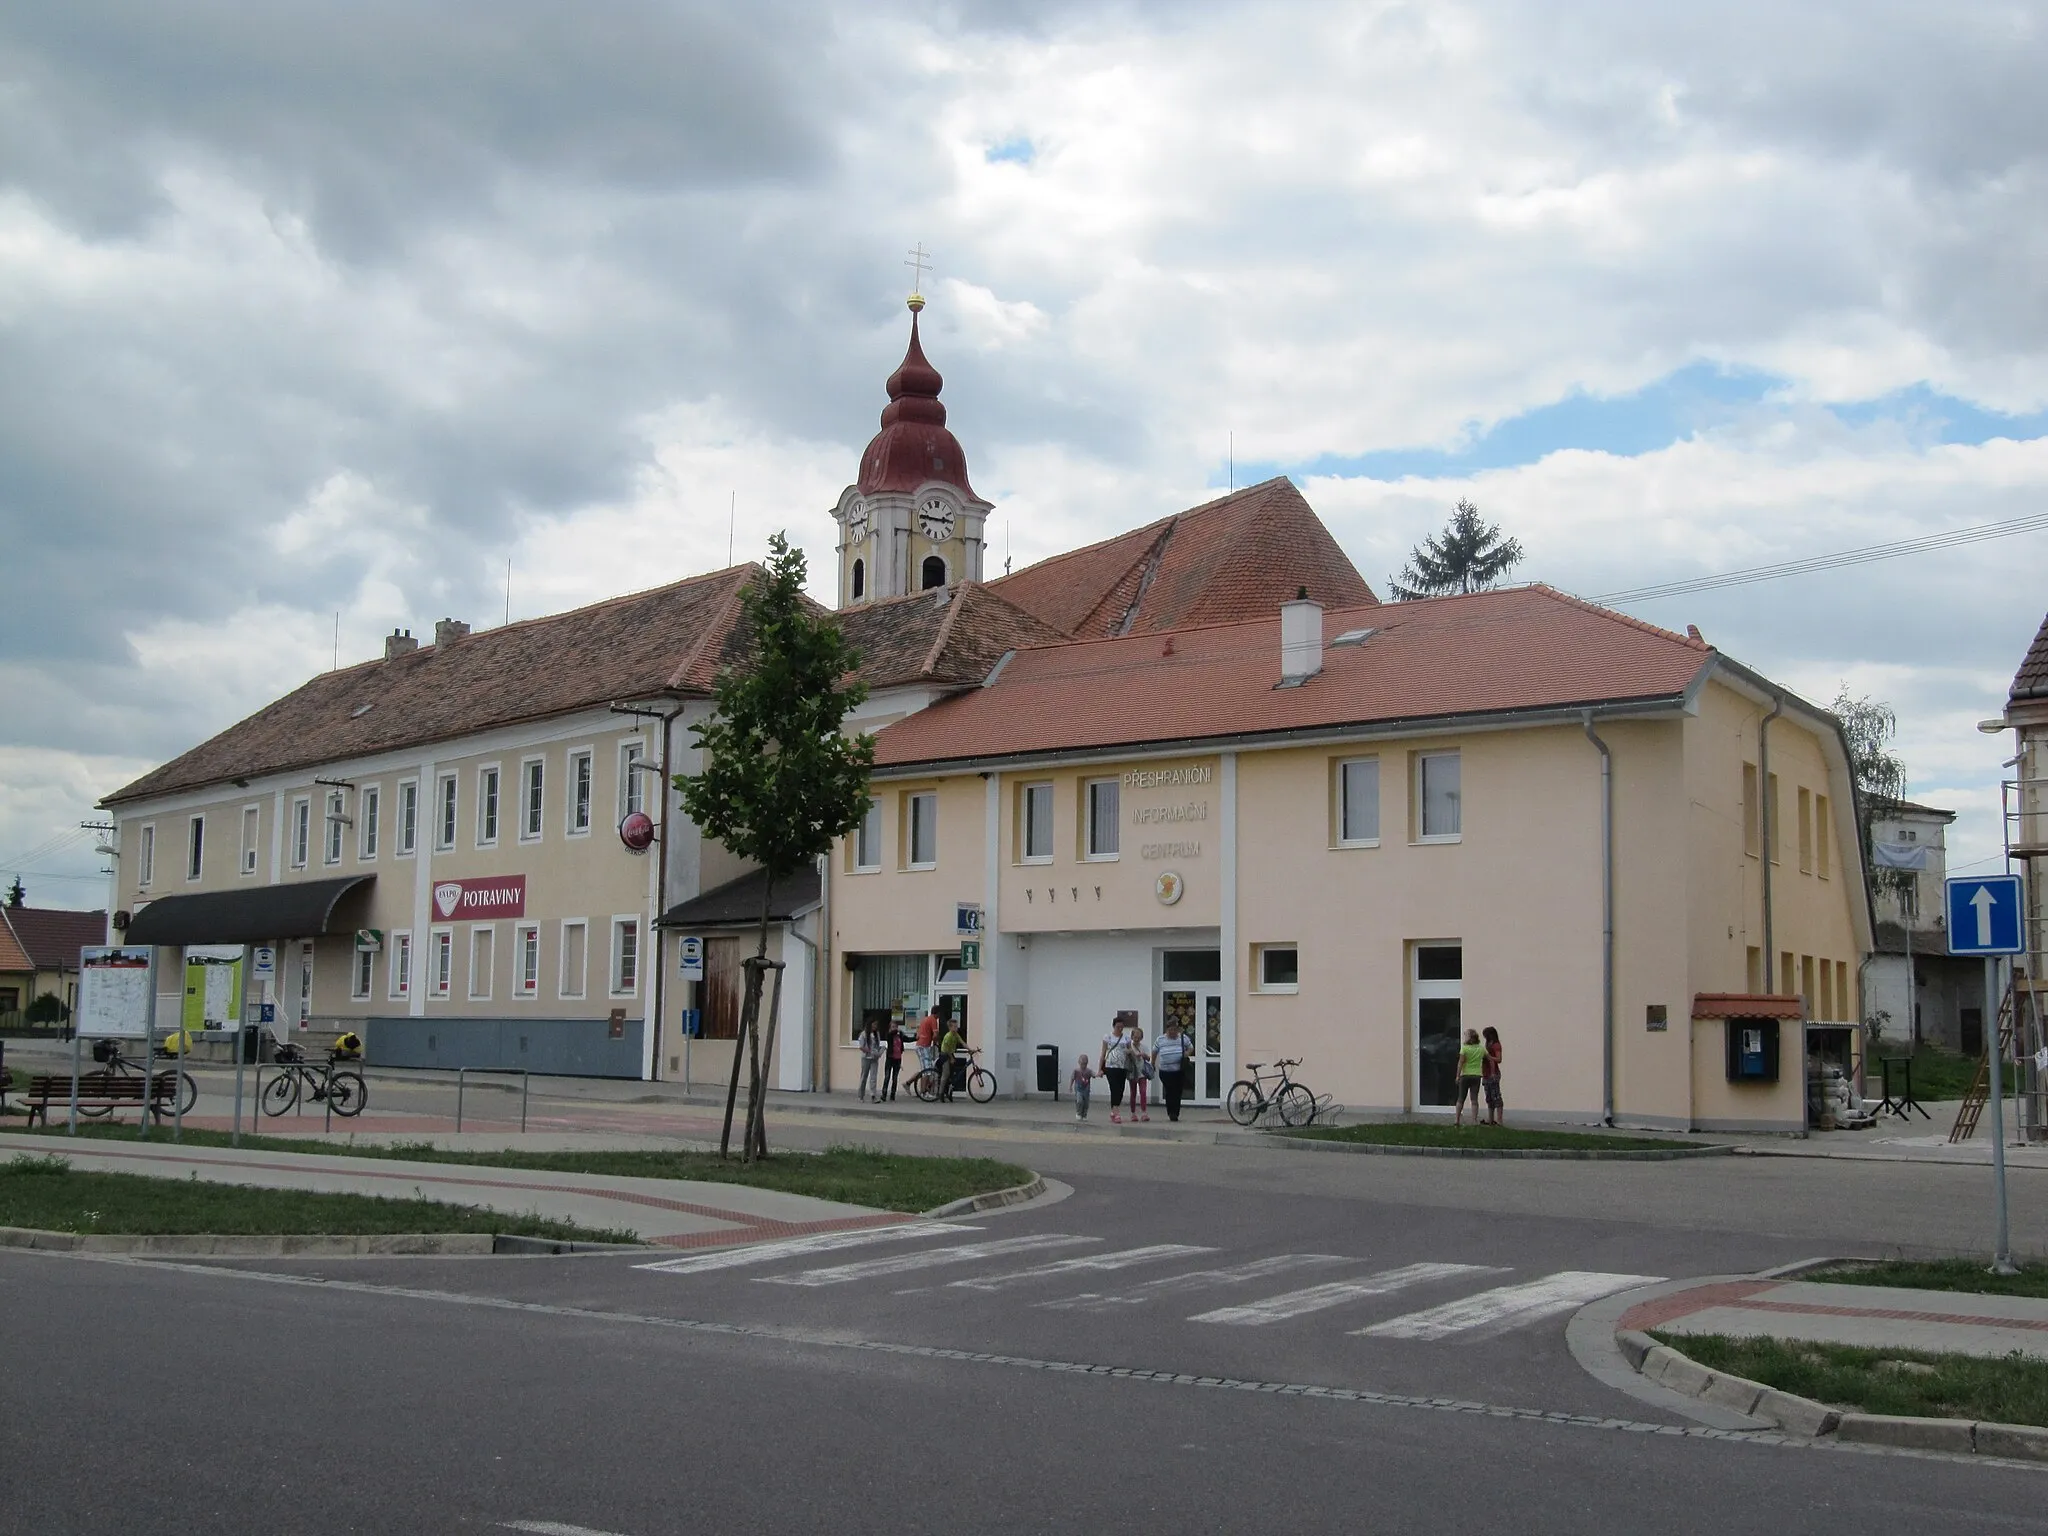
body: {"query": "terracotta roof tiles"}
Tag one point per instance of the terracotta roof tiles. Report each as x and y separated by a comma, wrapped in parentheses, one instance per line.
(2031, 681)
(51, 937)
(953, 635)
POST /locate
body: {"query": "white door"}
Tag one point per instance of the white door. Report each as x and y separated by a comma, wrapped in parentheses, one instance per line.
(305, 1005)
(1439, 992)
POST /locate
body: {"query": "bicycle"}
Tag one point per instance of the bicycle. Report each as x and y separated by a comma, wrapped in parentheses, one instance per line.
(1248, 1100)
(980, 1082)
(343, 1091)
(114, 1064)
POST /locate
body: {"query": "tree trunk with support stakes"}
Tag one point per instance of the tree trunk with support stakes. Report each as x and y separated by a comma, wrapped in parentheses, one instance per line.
(757, 1127)
(749, 1042)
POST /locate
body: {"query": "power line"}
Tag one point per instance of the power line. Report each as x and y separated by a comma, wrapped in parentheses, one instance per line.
(2033, 523)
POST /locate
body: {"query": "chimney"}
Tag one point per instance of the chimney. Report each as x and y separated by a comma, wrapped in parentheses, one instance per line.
(398, 642)
(1301, 641)
(446, 630)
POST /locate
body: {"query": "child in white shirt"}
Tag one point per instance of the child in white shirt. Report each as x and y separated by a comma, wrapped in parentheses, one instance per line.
(1082, 1080)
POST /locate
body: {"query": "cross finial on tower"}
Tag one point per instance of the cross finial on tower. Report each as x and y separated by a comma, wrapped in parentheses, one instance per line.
(920, 262)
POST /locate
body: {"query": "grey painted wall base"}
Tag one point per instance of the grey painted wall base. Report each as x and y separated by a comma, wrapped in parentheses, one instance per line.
(557, 1047)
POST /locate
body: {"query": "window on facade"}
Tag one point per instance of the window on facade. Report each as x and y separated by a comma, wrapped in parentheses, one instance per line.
(1439, 962)
(444, 815)
(922, 815)
(483, 941)
(444, 962)
(883, 987)
(1826, 993)
(532, 782)
(625, 956)
(252, 836)
(365, 970)
(401, 965)
(330, 844)
(408, 816)
(371, 815)
(1805, 831)
(1103, 823)
(302, 832)
(860, 578)
(579, 792)
(1358, 800)
(632, 797)
(1037, 823)
(867, 839)
(195, 849)
(1753, 975)
(1277, 967)
(1751, 809)
(147, 872)
(933, 573)
(486, 807)
(1774, 808)
(1438, 795)
(526, 960)
(1820, 836)
(575, 956)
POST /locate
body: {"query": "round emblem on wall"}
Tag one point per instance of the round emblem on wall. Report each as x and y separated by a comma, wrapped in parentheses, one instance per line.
(636, 831)
(1169, 887)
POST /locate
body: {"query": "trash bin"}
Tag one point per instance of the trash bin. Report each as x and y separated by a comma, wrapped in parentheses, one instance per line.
(1049, 1070)
(252, 1042)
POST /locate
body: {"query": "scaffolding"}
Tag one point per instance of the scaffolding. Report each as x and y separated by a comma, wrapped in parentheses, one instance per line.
(2019, 1035)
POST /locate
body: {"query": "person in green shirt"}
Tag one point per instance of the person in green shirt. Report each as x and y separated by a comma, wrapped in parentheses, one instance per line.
(1471, 1069)
(949, 1047)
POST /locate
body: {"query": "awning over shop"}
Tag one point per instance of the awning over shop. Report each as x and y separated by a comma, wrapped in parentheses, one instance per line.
(737, 903)
(1746, 1005)
(299, 909)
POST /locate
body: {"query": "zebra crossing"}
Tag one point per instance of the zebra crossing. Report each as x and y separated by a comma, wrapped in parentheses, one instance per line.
(1261, 1292)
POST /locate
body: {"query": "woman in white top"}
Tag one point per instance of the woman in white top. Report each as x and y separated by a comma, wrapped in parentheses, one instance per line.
(1116, 1066)
(1170, 1059)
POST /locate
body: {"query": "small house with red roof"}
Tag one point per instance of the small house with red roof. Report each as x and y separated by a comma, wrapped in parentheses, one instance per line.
(39, 949)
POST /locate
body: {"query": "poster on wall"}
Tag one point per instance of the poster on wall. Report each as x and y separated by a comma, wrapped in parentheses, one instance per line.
(213, 986)
(113, 992)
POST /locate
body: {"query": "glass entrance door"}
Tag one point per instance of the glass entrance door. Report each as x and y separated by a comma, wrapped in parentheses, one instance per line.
(1198, 1010)
(1439, 983)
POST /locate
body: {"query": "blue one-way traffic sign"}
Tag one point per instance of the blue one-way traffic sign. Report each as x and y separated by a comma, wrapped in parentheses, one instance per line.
(1984, 916)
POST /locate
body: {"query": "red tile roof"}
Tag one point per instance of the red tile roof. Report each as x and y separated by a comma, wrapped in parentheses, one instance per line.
(12, 956)
(952, 635)
(667, 641)
(2031, 681)
(1520, 649)
(1233, 558)
(1747, 1005)
(50, 937)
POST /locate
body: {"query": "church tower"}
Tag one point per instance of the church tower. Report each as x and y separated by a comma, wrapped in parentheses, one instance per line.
(912, 520)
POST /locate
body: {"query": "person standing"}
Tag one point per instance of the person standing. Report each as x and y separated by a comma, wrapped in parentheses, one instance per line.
(927, 1037)
(893, 1061)
(870, 1060)
(1141, 1076)
(1116, 1066)
(1082, 1081)
(1471, 1071)
(1496, 1113)
(1170, 1060)
(949, 1050)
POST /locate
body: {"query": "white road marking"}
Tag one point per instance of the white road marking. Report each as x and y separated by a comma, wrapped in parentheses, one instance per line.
(904, 1263)
(552, 1528)
(1510, 1306)
(1093, 1261)
(1152, 1290)
(797, 1247)
(1317, 1298)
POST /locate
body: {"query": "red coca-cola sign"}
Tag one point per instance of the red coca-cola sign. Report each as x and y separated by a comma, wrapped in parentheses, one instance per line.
(497, 896)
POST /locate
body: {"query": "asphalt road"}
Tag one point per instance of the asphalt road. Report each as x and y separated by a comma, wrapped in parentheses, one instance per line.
(799, 1390)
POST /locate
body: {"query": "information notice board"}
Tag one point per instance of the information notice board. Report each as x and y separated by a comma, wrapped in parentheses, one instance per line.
(113, 992)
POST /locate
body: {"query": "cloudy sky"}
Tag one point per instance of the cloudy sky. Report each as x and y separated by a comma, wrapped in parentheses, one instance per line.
(310, 310)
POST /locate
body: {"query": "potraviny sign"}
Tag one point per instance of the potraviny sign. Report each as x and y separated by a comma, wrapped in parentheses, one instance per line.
(480, 900)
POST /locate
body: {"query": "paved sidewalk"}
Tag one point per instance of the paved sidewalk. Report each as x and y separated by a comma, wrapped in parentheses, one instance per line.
(676, 1213)
(1869, 1316)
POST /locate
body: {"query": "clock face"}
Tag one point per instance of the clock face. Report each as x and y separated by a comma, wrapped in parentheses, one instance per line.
(857, 519)
(935, 516)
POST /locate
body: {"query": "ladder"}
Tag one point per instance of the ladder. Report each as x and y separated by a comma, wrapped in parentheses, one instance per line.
(1980, 1089)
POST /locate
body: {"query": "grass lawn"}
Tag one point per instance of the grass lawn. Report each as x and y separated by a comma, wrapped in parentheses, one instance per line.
(2013, 1390)
(1486, 1137)
(1939, 1275)
(48, 1193)
(887, 1181)
(1938, 1074)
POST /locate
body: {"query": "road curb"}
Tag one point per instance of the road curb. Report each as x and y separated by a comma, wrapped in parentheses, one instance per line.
(1534, 1154)
(995, 1199)
(222, 1245)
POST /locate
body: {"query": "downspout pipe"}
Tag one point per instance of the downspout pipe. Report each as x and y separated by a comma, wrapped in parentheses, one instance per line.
(1767, 831)
(1606, 920)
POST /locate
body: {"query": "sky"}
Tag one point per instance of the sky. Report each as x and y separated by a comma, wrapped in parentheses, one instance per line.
(314, 317)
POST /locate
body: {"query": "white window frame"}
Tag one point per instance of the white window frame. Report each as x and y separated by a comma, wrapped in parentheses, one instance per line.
(631, 797)
(1031, 797)
(623, 923)
(1090, 788)
(487, 973)
(441, 962)
(525, 946)
(252, 838)
(362, 974)
(407, 841)
(490, 804)
(910, 825)
(399, 986)
(302, 831)
(867, 841)
(331, 835)
(146, 859)
(582, 970)
(1275, 988)
(195, 847)
(1344, 838)
(533, 798)
(369, 822)
(1422, 762)
(447, 810)
(582, 793)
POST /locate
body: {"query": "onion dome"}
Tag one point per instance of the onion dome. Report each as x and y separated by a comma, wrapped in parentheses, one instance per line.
(914, 448)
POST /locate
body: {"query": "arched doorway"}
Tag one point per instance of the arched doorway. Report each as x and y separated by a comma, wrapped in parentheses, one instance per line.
(934, 573)
(860, 578)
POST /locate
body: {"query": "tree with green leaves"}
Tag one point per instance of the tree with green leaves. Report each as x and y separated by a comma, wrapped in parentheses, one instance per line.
(781, 781)
(1868, 726)
(1470, 555)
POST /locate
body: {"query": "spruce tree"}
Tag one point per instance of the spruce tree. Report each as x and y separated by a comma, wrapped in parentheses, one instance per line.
(1468, 556)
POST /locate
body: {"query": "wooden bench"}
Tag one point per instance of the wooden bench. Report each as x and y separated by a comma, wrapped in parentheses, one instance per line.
(99, 1088)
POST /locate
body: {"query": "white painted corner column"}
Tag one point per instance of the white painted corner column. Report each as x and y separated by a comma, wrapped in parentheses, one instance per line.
(1013, 1081)
(1226, 916)
(426, 802)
